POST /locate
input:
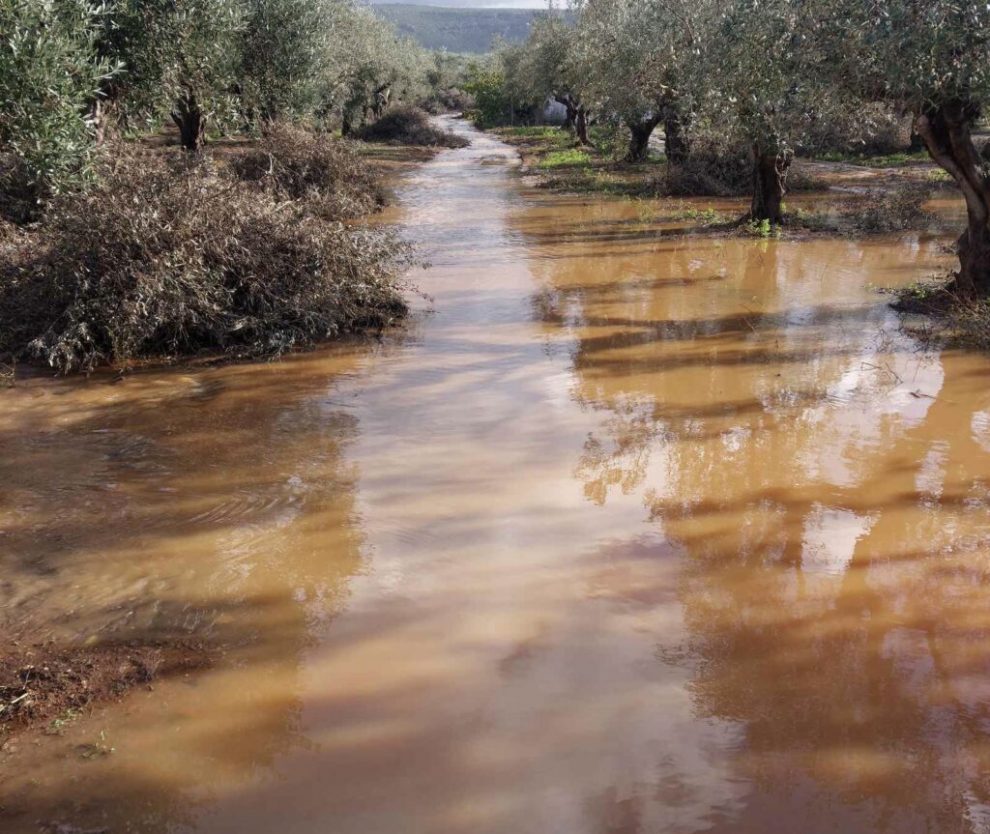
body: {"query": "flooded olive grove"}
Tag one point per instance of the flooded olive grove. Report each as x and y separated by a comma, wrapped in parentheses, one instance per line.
(626, 531)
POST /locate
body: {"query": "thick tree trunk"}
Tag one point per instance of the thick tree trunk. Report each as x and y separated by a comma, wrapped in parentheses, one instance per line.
(639, 139)
(577, 117)
(581, 126)
(190, 120)
(946, 132)
(676, 144)
(769, 178)
(973, 247)
(382, 97)
(571, 110)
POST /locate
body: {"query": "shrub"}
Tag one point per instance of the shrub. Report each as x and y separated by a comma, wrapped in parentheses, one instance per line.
(406, 125)
(891, 210)
(491, 101)
(456, 99)
(451, 100)
(710, 171)
(170, 257)
(867, 130)
(316, 169)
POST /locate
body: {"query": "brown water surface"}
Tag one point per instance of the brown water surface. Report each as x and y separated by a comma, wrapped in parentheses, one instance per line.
(629, 532)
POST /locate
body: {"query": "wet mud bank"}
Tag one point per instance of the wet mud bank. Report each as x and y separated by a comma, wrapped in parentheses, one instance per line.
(43, 686)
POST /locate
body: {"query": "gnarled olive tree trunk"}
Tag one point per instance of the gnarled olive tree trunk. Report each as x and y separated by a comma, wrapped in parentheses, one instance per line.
(571, 108)
(383, 95)
(190, 119)
(581, 126)
(577, 117)
(946, 131)
(639, 138)
(769, 183)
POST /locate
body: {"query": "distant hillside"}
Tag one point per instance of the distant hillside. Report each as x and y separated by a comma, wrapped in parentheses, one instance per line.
(458, 30)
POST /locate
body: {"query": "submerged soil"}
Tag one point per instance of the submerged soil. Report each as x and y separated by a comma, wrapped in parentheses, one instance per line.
(628, 531)
(44, 685)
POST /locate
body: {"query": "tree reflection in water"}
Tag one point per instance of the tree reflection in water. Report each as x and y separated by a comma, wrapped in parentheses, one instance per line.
(819, 475)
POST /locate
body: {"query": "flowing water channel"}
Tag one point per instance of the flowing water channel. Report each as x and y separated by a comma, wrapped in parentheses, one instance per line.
(626, 532)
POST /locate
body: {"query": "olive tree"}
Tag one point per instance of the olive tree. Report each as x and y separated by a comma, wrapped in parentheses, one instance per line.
(642, 61)
(179, 58)
(553, 66)
(282, 46)
(445, 77)
(49, 80)
(613, 51)
(932, 58)
(762, 61)
(367, 66)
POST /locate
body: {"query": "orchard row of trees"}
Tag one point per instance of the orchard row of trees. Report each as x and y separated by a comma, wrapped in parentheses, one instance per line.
(122, 248)
(73, 70)
(764, 75)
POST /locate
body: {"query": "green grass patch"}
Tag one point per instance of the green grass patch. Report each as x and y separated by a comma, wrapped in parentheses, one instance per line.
(572, 158)
(706, 216)
(531, 132)
(938, 177)
(890, 160)
(761, 229)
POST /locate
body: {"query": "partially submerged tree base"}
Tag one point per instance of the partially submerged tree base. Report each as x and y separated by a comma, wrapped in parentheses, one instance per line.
(769, 185)
(946, 132)
(937, 310)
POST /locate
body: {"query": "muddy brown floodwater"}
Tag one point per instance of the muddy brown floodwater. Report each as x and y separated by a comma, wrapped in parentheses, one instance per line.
(626, 533)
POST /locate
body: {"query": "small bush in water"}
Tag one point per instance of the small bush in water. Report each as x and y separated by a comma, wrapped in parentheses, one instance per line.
(406, 125)
(170, 257)
(892, 210)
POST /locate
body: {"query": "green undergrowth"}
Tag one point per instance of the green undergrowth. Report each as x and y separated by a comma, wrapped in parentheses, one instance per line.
(891, 160)
(572, 158)
(531, 131)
